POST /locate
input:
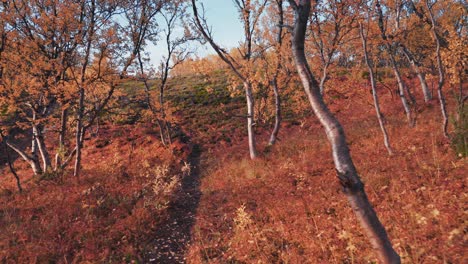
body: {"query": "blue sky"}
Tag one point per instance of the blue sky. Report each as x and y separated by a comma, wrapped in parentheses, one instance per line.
(227, 30)
(223, 17)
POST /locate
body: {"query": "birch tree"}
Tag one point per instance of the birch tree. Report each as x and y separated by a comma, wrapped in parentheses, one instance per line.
(79, 135)
(391, 50)
(33, 68)
(415, 52)
(407, 37)
(249, 12)
(274, 67)
(331, 25)
(279, 64)
(177, 51)
(347, 173)
(48, 68)
(375, 96)
(440, 67)
(140, 17)
(142, 29)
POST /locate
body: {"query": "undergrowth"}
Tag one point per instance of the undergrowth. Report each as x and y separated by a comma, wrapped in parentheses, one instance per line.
(109, 214)
(288, 207)
(285, 207)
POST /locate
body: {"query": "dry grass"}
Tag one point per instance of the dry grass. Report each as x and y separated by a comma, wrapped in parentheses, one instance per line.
(109, 215)
(287, 207)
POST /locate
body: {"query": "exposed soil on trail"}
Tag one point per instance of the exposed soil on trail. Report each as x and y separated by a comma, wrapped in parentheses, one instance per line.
(174, 235)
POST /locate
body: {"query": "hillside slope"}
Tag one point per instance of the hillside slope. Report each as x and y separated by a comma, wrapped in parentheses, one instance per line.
(204, 201)
(287, 206)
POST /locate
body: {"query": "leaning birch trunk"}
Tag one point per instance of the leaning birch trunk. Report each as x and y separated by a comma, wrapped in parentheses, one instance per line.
(250, 119)
(33, 161)
(401, 86)
(47, 164)
(36, 164)
(421, 75)
(422, 80)
(165, 132)
(440, 69)
(63, 131)
(274, 133)
(236, 70)
(324, 77)
(78, 133)
(401, 90)
(347, 174)
(374, 91)
(274, 81)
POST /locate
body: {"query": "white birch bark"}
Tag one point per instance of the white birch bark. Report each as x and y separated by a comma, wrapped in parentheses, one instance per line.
(440, 68)
(234, 66)
(347, 174)
(421, 75)
(401, 85)
(35, 165)
(374, 91)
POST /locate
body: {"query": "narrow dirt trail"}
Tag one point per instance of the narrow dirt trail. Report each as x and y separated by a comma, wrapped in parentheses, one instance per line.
(174, 235)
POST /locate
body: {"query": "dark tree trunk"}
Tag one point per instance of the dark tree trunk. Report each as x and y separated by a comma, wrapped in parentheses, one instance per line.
(10, 163)
(80, 128)
(79, 133)
(62, 134)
